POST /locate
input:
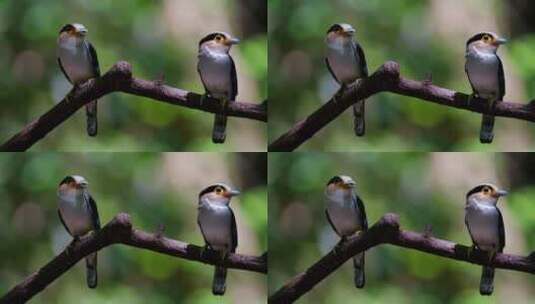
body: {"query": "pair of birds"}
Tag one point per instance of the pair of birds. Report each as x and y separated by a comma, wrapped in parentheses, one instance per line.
(346, 214)
(78, 213)
(78, 61)
(347, 63)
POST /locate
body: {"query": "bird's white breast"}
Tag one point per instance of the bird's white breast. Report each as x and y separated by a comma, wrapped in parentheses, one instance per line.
(215, 220)
(76, 60)
(215, 69)
(483, 221)
(343, 62)
(344, 213)
(75, 212)
(482, 69)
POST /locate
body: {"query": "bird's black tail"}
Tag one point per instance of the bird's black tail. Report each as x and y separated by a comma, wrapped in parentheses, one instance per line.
(219, 130)
(91, 269)
(91, 114)
(487, 125)
(487, 278)
(358, 265)
(219, 283)
(358, 118)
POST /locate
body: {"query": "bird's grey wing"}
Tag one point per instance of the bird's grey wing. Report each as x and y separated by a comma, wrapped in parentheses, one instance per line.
(470, 80)
(470, 232)
(363, 218)
(233, 80)
(95, 220)
(63, 70)
(331, 70)
(501, 231)
(202, 80)
(63, 222)
(94, 59)
(234, 231)
(362, 61)
(202, 232)
(501, 78)
(330, 222)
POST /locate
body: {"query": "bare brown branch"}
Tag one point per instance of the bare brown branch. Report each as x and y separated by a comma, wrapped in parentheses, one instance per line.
(119, 79)
(387, 79)
(387, 231)
(120, 231)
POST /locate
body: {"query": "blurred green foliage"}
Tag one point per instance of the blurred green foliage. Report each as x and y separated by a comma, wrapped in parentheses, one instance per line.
(425, 194)
(405, 31)
(147, 34)
(154, 189)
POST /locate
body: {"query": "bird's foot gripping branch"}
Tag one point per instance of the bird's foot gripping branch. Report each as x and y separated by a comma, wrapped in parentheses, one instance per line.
(119, 79)
(388, 79)
(120, 231)
(387, 231)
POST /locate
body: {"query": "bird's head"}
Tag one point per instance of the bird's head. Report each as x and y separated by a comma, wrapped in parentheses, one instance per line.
(485, 41)
(340, 32)
(485, 194)
(74, 30)
(218, 193)
(74, 182)
(340, 183)
(218, 41)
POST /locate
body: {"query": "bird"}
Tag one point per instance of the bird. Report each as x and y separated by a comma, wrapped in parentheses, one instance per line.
(78, 61)
(217, 71)
(218, 227)
(346, 62)
(485, 226)
(346, 214)
(78, 213)
(484, 69)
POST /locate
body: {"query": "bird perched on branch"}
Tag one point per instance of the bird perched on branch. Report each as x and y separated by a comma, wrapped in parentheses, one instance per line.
(485, 225)
(346, 63)
(79, 215)
(218, 227)
(345, 212)
(218, 75)
(485, 73)
(78, 61)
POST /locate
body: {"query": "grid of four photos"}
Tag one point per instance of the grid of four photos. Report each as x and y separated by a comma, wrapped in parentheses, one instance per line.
(267, 151)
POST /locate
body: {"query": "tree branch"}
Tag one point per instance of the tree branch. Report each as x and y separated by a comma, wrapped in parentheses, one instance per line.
(387, 79)
(119, 79)
(387, 231)
(119, 231)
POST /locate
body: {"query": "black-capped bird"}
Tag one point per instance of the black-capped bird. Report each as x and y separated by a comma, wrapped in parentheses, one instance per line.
(218, 75)
(485, 225)
(218, 227)
(346, 63)
(345, 212)
(485, 73)
(78, 61)
(79, 215)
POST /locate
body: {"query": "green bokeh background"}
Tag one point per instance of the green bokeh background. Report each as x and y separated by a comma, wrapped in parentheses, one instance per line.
(159, 38)
(155, 189)
(428, 39)
(426, 190)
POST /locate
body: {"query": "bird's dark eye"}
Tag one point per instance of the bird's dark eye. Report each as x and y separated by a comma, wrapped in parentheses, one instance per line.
(218, 190)
(486, 38)
(218, 38)
(486, 190)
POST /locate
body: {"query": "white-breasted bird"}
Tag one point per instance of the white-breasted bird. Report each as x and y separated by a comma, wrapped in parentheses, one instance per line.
(78, 61)
(485, 73)
(485, 225)
(79, 215)
(218, 227)
(218, 75)
(346, 63)
(347, 216)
